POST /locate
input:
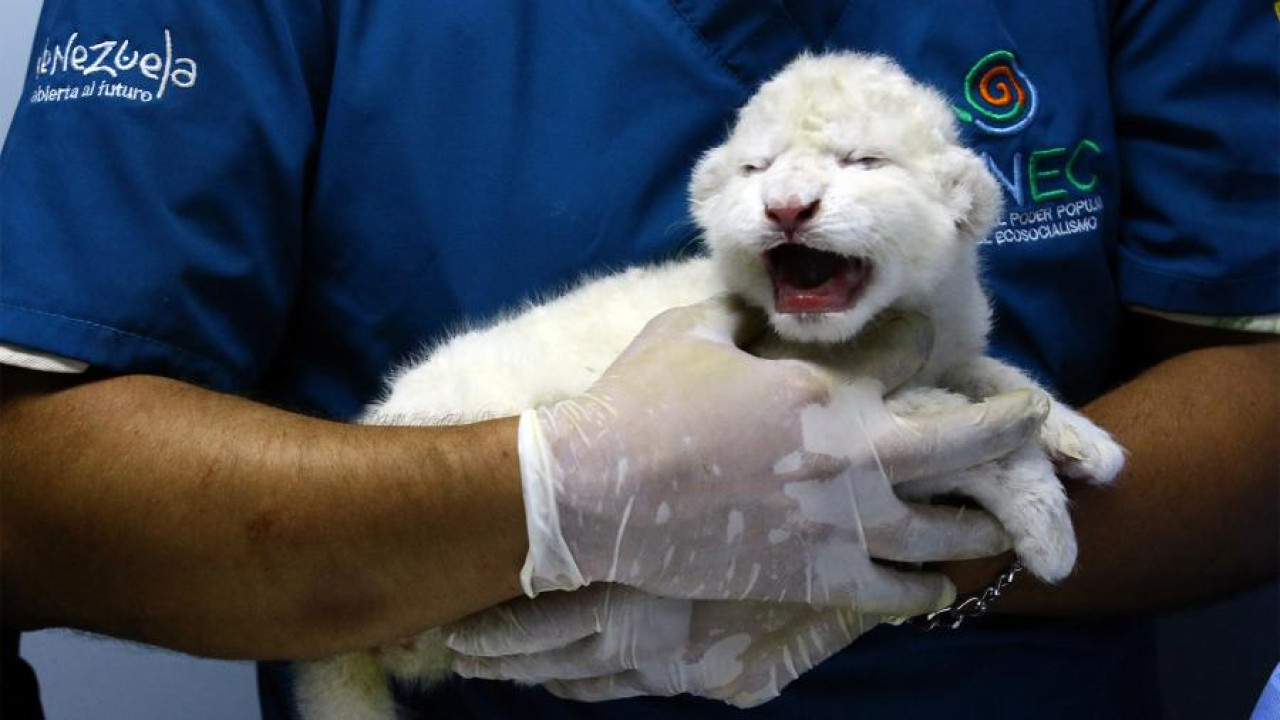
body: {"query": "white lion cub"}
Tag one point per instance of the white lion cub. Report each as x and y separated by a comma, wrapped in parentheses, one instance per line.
(841, 195)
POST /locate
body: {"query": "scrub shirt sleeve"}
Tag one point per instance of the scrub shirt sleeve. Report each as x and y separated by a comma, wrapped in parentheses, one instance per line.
(153, 184)
(1195, 86)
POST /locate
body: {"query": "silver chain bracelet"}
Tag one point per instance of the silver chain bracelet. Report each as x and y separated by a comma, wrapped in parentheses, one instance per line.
(971, 606)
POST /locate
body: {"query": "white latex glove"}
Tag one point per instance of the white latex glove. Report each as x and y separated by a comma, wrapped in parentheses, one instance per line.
(609, 642)
(693, 469)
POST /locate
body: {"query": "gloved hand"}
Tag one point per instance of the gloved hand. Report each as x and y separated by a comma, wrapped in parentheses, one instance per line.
(609, 642)
(693, 469)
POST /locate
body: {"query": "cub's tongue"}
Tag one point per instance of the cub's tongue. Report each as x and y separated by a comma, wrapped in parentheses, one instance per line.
(806, 280)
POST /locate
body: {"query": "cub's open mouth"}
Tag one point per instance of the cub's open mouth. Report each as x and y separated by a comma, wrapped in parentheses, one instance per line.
(807, 280)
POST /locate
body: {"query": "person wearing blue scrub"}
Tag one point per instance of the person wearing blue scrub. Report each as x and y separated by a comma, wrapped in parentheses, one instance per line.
(283, 201)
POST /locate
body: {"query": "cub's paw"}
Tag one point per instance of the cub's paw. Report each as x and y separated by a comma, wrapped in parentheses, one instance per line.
(346, 687)
(418, 662)
(1022, 492)
(1079, 449)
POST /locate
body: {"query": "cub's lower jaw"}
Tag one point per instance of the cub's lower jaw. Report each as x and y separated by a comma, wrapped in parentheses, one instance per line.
(821, 328)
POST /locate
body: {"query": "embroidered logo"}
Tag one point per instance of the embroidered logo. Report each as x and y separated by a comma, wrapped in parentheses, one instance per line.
(1053, 190)
(113, 68)
(1000, 97)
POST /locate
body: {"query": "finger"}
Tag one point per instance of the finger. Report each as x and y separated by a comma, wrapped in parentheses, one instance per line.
(903, 593)
(925, 489)
(525, 626)
(583, 659)
(937, 533)
(893, 350)
(610, 687)
(836, 628)
(961, 438)
(814, 635)
(840, 574)
(724, 319)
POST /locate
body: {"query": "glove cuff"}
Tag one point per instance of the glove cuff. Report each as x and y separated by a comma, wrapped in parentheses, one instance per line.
(550, 564)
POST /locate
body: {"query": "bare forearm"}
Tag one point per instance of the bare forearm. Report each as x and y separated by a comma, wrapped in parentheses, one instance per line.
(149, 509)
(1194, 516)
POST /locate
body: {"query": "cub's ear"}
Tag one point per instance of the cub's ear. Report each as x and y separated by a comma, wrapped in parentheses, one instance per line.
(970, 191)
(710, 174)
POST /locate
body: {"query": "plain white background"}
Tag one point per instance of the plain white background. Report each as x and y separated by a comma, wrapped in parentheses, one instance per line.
(1213, 661)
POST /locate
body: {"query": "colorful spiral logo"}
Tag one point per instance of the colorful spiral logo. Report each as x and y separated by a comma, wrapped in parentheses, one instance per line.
(1001, 96)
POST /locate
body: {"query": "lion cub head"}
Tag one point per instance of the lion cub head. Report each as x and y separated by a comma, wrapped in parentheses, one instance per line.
(842, 190)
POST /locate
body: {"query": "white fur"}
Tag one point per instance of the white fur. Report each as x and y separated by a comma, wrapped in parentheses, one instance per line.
(907, 197)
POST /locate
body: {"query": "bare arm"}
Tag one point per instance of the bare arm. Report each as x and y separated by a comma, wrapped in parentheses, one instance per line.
(1194, 516)
(148, 509)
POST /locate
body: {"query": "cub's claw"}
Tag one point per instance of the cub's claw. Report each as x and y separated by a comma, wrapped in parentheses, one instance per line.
(1079, 449)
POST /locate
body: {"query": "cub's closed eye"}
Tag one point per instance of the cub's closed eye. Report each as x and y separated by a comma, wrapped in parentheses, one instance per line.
(751, 168)
(864, 162)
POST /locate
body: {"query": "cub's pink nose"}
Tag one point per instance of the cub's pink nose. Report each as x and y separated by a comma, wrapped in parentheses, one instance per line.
(790, 218)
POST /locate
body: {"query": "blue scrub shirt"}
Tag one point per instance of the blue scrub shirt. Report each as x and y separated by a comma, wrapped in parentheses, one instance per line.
(285, 199)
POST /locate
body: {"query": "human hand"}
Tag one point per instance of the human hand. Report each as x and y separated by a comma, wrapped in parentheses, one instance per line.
(693, 469)
(609, 641)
